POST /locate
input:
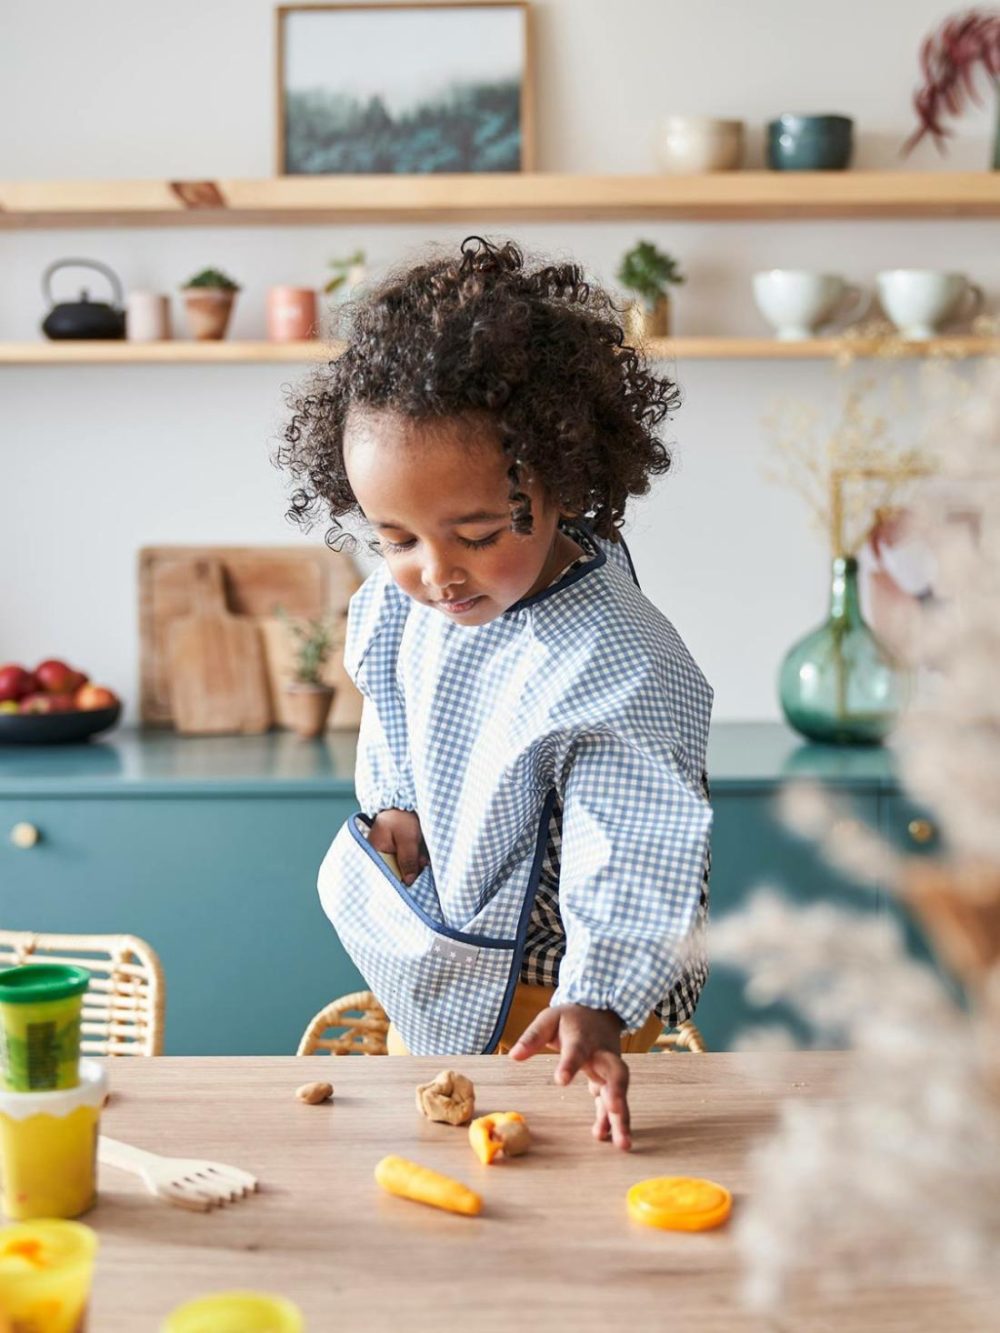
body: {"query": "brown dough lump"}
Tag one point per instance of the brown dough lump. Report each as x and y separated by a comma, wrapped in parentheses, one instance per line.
(450, 1098)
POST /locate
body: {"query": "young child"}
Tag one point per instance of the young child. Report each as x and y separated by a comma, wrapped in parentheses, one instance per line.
(532, 744)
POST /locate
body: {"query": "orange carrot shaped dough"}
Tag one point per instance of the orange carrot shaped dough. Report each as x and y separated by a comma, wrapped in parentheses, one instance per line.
(408, 1180)
(503, 1132)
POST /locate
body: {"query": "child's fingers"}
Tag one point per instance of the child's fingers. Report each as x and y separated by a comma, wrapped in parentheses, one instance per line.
(602, 1125)
(602, 1122)
(611, 1070)
(410, 857)
(574, 1055)
(542, 1031)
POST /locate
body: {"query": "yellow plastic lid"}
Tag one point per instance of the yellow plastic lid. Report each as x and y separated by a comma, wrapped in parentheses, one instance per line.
(45, 1246)
(679, 1203)
(236, 1312)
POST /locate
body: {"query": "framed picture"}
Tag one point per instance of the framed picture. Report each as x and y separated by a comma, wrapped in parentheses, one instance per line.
(404, 88)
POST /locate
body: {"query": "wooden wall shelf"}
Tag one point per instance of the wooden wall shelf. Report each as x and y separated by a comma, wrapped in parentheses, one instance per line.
(528, 196)
(301, 353)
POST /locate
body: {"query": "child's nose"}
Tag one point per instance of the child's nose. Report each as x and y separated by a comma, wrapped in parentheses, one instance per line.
(440, 573)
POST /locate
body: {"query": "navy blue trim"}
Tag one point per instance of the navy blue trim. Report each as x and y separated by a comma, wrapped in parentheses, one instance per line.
(481, 941)
(523, 922)
(628, 557)
(599, 559)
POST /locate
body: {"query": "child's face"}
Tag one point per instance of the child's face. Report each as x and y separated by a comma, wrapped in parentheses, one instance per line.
(436, 494)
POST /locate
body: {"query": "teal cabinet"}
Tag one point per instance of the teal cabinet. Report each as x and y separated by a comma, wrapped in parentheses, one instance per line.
(913, 831)
(209, 849)
(751, 850)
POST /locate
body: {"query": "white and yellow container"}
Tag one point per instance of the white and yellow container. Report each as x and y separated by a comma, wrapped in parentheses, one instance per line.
(46, 1272)
(48, 1147)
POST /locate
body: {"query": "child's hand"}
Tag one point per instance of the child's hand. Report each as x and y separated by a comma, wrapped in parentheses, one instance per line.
(587, 1039)
(398, 833)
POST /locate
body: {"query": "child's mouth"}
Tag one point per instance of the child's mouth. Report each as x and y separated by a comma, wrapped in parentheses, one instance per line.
(457, 608)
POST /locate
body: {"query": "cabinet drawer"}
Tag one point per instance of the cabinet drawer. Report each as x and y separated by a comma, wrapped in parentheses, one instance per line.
(223, 888)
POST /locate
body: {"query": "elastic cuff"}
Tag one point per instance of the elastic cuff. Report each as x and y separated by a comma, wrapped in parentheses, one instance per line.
(389, 801)
(631, 1018)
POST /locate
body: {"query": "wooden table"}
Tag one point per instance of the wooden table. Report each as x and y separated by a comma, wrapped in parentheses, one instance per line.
(553, 1249)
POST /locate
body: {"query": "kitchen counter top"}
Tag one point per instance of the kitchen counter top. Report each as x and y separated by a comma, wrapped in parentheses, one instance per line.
(138, 762)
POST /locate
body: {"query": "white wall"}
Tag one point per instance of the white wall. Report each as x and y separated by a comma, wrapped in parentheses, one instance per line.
(99, 461)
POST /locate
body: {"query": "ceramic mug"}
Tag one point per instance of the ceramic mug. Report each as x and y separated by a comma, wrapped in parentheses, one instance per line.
(147, 317)
(795, 302)
(692, 144)
(291, 314)
(919, 301)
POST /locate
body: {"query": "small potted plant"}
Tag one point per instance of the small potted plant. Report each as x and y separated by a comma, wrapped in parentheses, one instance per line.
(208, 300)
(308, 696)
(347, 274)
(649, 273)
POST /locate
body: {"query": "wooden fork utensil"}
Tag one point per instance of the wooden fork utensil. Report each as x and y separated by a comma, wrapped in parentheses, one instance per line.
(187, 1182)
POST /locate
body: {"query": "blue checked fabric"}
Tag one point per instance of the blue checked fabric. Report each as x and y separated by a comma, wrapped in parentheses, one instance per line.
(582, 698)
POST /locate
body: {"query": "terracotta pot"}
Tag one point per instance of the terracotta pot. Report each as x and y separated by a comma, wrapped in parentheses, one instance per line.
(291, 314)
(208, 310)
(308, 707)
(642, 323)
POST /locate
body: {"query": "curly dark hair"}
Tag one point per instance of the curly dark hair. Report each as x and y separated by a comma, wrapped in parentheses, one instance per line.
(538, 351)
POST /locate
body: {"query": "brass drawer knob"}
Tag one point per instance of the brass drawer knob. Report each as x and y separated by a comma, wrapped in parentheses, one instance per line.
(921, 830)
(24, 835)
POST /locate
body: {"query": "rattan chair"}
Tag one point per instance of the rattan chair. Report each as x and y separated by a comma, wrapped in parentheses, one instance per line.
(362, 1025)
(124, 1005)
(685, 1037)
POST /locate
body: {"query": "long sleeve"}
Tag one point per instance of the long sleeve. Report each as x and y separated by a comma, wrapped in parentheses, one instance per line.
(383, 775)
(635, 837)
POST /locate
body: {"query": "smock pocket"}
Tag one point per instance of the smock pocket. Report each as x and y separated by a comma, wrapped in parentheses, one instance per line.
(446, 990)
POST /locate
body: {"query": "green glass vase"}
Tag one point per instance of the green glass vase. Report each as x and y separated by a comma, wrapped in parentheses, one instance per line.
(840, 684)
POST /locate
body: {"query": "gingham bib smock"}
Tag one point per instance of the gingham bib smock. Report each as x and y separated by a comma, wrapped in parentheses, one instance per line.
(569, 732)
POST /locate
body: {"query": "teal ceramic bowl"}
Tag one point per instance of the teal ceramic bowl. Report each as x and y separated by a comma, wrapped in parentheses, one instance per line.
(810, 143)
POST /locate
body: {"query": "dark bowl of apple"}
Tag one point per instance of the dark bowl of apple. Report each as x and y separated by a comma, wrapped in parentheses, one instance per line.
(53, 705)
(56, 728)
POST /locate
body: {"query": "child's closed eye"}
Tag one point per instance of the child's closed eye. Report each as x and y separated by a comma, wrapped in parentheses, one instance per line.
(464, 541)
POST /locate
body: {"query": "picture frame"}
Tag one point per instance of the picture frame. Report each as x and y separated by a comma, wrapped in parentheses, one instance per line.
(405, 88)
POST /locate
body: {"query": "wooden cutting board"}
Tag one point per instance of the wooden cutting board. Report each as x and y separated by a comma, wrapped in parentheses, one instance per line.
(306, 580)
(218, 683)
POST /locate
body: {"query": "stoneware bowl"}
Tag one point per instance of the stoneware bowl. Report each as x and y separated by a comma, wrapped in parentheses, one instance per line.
(689, 145)
(810, 143)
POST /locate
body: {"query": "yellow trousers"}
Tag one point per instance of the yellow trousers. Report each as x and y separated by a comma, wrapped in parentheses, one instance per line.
(528, 1003)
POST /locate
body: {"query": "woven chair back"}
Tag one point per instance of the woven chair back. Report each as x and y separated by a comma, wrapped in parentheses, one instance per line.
(123, 1007)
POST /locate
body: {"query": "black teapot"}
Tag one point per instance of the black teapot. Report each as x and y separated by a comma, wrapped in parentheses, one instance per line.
(83, 318)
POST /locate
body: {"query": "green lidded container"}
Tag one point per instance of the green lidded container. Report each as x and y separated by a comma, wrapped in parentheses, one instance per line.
(40, 1008)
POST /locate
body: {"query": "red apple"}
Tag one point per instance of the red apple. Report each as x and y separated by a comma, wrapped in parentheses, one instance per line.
(15, 682)
(48, 703)
(90, 696)
(55, 677)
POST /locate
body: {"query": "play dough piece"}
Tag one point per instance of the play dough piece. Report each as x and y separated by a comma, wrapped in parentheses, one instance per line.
(409, 1180)
(503, 1132)
(450, 1098)
(679, 1203)
(314, 1093)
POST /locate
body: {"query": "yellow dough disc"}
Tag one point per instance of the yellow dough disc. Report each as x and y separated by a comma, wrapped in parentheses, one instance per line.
(679, 1203)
